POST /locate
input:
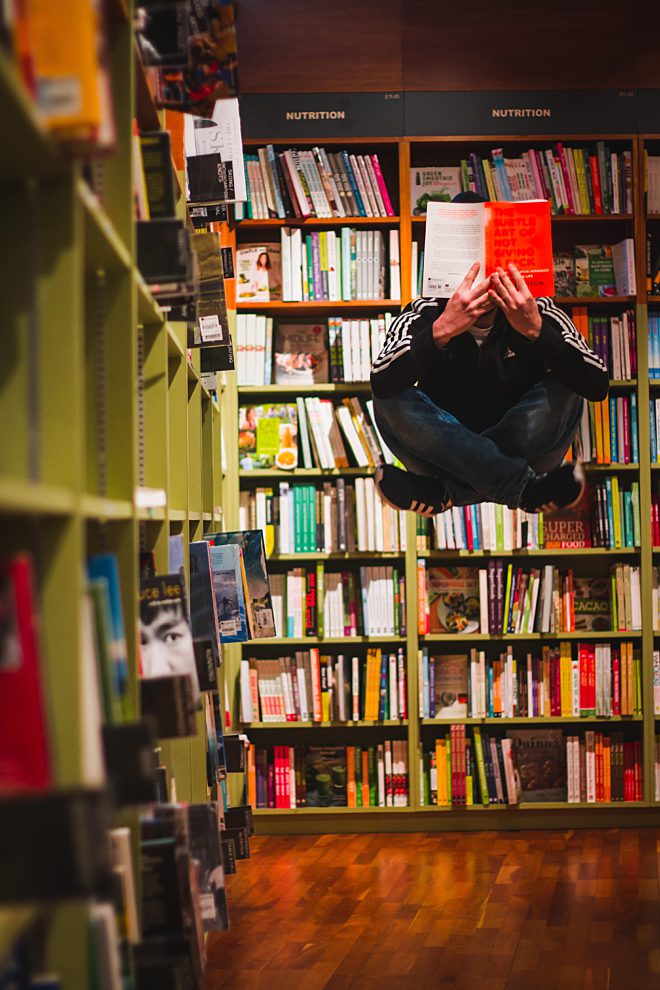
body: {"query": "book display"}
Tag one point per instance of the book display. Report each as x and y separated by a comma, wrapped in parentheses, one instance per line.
(536, 619)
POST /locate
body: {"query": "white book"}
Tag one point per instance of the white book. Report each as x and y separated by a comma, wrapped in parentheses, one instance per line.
(122, 861)
(361, 515)
(483, 600)
(360, 252)
(260, 350)
(590, 766)
(287, 264)
(547, 598)
(334, 292)
(220, 135)
(635, 598)
(295, 253)
(623, 259)
(388, 772)
(250, 348)
(371, 532)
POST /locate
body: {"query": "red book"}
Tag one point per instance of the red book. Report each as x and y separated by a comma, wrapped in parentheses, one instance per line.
(583, 659)
(469, 536)
(592, 677)
(567, 181)
(616, 682)
(595, 182)
(24, 751)
(638, 769)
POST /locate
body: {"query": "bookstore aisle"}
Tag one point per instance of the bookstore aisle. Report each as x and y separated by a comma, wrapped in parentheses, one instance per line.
(570, 909)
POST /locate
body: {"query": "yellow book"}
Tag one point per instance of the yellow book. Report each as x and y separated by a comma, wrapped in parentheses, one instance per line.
(441, 771)
(489, 180)
(65, 51)
(607, 440)
(616, 511)
(598, 411)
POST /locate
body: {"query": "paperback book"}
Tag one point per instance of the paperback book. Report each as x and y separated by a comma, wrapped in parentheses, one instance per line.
(433, 185)
(259, 605)
(592, 604)
(326, 776)
(268, 436)
(301, 354)
(230, 594)
(541, 762)
(166, 641)
(258, 273)
(494, 234)
(453, 598)
(450, 683)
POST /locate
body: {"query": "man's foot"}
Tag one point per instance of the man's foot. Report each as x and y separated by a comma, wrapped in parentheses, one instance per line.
(562, 488)
(409, 492)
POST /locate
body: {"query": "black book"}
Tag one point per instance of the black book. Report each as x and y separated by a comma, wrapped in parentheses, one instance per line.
(240, 817)
(217, 357)
(164, 251)
(128, 749)
(158, 173)
(228, 849)
(235, 753)
(207, 179)
(169, 701)
(162, 33)
(205, 848)
(241, 838)
(164, 964)
(203, 616)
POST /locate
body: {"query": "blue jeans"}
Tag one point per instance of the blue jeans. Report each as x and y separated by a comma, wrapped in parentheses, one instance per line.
(493, 466)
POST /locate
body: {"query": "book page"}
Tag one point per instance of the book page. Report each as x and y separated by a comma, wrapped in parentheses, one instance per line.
(454, 241)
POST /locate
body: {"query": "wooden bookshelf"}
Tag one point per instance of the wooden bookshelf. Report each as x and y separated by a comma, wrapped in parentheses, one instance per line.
(608, 227)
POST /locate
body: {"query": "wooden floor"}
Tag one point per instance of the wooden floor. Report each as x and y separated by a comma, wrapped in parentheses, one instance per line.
(524, 911)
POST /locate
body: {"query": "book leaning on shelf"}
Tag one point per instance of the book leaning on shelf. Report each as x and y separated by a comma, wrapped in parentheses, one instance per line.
(312, 687)
(341, 517)
(506, 598)
(594, 679)
(300, 183)
(306, 776)
(575, 181)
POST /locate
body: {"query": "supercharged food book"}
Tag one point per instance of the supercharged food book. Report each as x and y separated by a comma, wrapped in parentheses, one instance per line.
(494, 234)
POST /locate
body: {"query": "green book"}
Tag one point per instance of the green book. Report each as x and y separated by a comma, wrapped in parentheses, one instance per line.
(112, 705)
(297, 523)
(373, 778)
(637, 527)
(615, 611)
(507, 598)
(358, 776)
(481, 766)
(310, 518)
(499, 526)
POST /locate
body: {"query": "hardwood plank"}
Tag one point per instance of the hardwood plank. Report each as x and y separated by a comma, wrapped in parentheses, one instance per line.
(576, 910)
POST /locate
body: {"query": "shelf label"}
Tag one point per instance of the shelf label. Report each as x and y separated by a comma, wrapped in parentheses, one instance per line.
(319, 115)
(211, 329)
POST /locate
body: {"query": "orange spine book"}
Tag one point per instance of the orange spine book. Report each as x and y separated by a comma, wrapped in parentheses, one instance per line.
(251, 776)
(422, 599)
(316, 683)
(365, 778)
(351, 791)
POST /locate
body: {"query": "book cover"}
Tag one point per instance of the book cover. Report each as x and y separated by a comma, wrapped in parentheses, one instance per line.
(592, 604)
(325, 773)
(205, 848)
(451, 685)
(568, 528)
(251, 543)
(229, 593)
(268, 436)
(24, 749)
(494, 234)
(203, 613)
(166, 641)
(301, 353)
(564, 268)
(104, 566)
(453, 598)
(541, 762)
(437, 184)
(258, 273)
(594, 270)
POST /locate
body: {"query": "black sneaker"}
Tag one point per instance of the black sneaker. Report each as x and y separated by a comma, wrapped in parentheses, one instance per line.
(409, 492)
(562, 488)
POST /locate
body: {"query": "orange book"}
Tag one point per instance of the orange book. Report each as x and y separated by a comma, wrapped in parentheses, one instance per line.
(607, 442)
(351, 791)
(495, 235)
(598, 412)
(251, 777)
(497, 687)
(365, 779)
(422, 599)
(607, 769)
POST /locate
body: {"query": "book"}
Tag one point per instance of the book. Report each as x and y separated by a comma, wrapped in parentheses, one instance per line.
(494, 234)
(104, 567)
(451, 685)
(453, 600)
(258, 273)
(220, 175)
(25, 761)
(205, 847)
(268, 436)
(568, 528)
(592, 604)
(325, 771)
(563, 264)
(156, 154)
(301, 354)
(541, 763)
(204, 615)
(433, 184)
(230, 593)
(166, 642)
(260, 608)
(594, 270)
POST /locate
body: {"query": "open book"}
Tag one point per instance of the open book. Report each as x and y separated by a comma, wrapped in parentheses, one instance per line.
(494, 234)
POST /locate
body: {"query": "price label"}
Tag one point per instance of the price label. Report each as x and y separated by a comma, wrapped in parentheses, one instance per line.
(211, 329)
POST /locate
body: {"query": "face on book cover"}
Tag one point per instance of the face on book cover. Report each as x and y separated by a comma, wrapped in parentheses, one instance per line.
(167, 644)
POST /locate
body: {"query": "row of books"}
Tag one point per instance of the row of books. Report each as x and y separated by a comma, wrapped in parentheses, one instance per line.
(314, 183)
(329, 518)
(612, 338)
(608, 431)
(530, 766)
(601, 679)
(333, 350)
(330, 776)
(654, 344)
(369, 601)
(334, 265)
(507, 598)
(311, 687)
(575, 180)
(652, 182)
(312, 430)
(607, 517)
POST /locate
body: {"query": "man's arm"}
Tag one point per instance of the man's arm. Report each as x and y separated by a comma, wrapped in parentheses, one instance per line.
(409, 349)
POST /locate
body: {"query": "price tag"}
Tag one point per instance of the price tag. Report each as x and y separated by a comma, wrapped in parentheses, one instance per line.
(210, 329)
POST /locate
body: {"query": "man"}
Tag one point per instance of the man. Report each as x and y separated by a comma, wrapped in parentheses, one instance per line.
(166, 642)
(480, 397)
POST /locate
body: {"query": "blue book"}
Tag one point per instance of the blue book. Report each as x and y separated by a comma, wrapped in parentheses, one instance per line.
(255, 586)
(614, 433)
(425, 682)
(629, 527)
(490, 691)
(654, 439)
(104, 566)
(634, 441)
(354, 186)
(476, 527)
(229, 587)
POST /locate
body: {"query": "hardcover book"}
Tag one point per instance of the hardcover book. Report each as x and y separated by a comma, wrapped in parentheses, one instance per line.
(258, 273)
(268, 436)
(325, 769)
(260, 608)
(453, 597)
(568, 528)
(564, 267)
(451, 685)
(541, 762)
(301, 353)
(433, 185)
(594, 270)
(494, 234)
(592, 604)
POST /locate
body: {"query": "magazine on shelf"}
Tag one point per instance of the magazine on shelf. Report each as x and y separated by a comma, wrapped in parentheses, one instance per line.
(258, 273)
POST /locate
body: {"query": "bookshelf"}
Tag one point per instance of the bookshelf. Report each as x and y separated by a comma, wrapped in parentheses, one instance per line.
(434, 150)
(106, 409)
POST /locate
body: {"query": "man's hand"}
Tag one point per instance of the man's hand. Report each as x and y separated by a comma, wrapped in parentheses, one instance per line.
(511, 294)
(468, 303)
